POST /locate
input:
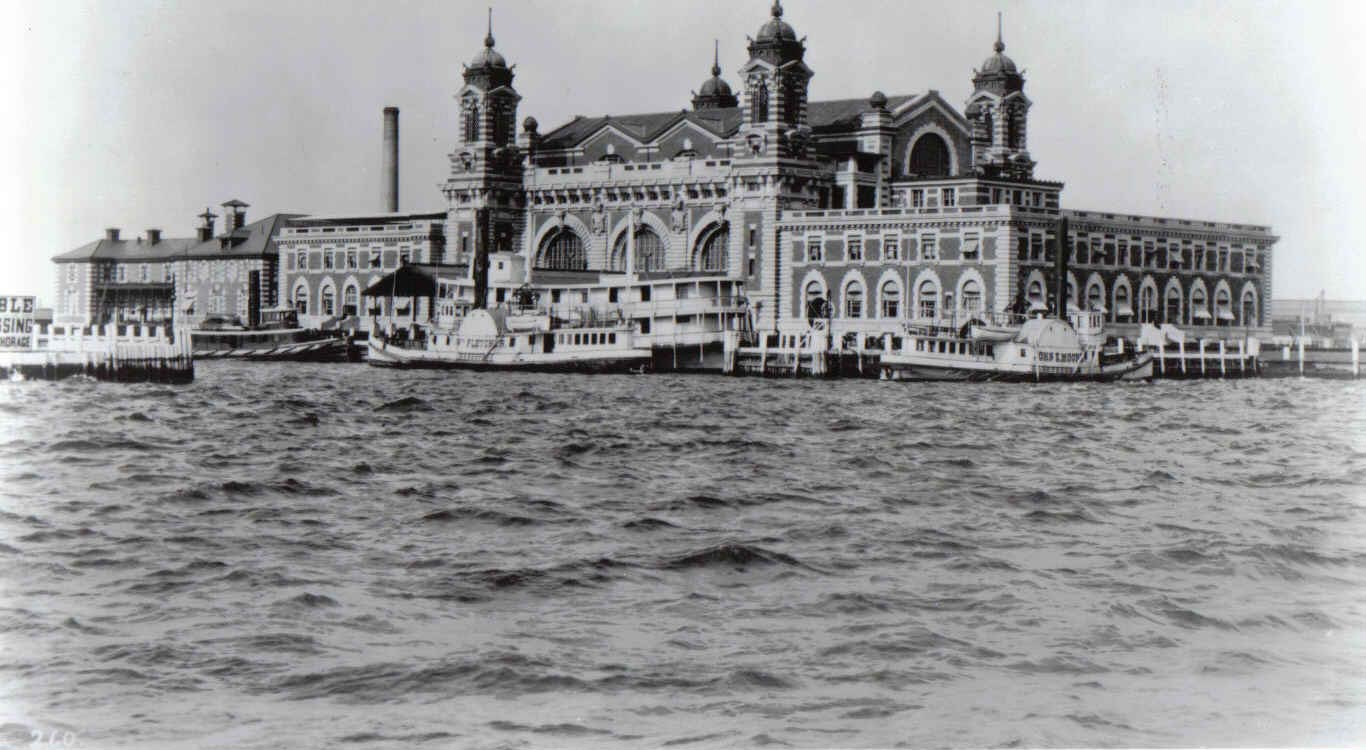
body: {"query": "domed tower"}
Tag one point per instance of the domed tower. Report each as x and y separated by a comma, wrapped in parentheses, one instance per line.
(488, 103)
(775, 82)
(998, 111)
(484, 197)
(715, 93)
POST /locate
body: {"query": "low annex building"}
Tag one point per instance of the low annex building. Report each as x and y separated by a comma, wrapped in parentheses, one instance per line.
(154, 280)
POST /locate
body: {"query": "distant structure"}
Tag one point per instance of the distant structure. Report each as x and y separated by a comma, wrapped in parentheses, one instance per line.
(876, 210)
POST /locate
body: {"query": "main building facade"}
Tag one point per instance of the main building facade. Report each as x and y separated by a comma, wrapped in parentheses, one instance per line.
(875, 211)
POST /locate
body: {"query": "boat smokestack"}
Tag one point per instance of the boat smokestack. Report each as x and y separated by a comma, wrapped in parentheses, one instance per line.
(1060, 266)
(390, 168)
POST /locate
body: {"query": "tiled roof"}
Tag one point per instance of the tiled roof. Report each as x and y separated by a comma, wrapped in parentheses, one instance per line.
(252, 240)
(834, 115)
(168, 248)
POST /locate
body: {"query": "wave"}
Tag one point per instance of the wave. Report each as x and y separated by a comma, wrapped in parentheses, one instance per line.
(732, 555)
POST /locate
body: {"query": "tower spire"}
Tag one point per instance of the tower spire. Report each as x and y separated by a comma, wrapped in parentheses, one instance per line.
(1000, 46)
(716, 58)
(488, 40)
(777, 9)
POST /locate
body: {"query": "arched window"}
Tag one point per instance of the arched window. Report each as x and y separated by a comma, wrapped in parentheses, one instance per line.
(930, 157)
(649, 251)
(1014, 122)
(1249, 309)
(350, 300)
(891, 299)
(562, 251)
(1173, 311)
(713, 253)
(471, 119)
(1147, 304)
(1122, 304)
(760, 103)
(971, 298)
(1199, 309)
(1223, 314)
(327, 302)
(853, 300)
(301, 298)
(1095, 297)
(929, 299)
(1037, 300)
(815, 298)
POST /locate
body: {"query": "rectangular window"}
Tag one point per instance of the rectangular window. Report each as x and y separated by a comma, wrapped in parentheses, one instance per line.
(123, 273)
(950, 197)
(328, 260)
(891, 247)
(144, 272)
(929, 250)
(854, 244)
(917, 198)
(753, 236)
(352, 260)
(815, 248)
(971, 247)
(404, 256)
(1036, 246)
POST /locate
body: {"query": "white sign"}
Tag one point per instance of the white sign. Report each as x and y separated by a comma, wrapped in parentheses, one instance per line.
(16, 322)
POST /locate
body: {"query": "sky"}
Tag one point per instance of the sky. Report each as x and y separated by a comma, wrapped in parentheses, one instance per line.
(140, 113)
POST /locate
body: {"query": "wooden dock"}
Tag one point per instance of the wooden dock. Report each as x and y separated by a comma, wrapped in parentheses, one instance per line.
(120, 353)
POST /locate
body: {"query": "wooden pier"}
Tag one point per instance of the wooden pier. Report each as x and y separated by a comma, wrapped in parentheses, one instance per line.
(121, 353)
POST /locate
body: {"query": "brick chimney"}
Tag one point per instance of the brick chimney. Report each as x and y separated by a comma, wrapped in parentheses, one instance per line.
(205, 231)
(153, 236)
(112, 233)
(389, 171)
(234, 215)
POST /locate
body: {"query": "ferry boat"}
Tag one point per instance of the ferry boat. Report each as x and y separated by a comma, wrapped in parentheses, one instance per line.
(1043, 349)
(515, 339)
(277, 338)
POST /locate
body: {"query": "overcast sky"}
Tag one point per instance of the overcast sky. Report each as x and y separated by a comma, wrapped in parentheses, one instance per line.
(140, 113)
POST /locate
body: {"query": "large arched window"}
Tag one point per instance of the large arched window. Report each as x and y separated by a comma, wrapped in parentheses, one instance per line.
(1173, 310)
(327, 302)
(471, 119)
(971, 299)
(350, 300)
(1014, 121)
(649, 251)
(712, 252)
(301, 298)
(928, 295)
(930, 157)
(1249, 309)
(1147, 304)
(562, 251)
(890, 296)
(853, 300)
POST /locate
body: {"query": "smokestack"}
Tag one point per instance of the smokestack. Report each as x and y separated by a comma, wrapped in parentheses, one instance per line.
(205, 232)
(390, 168)
(112, 233)
(1060, 265)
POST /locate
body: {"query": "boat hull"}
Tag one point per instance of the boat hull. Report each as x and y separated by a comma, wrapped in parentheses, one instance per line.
(383, 354)
(943, 370)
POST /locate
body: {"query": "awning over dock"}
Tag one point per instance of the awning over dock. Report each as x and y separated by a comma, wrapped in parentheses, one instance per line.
(412, 280)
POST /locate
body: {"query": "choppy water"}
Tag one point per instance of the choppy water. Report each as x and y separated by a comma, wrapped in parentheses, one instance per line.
(336, 556)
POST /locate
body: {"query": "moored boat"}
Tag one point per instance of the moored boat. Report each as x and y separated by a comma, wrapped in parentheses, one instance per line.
(503, 339)
(278, 338)
(1044, 349)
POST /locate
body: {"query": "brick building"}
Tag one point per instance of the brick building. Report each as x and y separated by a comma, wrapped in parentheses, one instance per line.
(890, 208)
(155, 280)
